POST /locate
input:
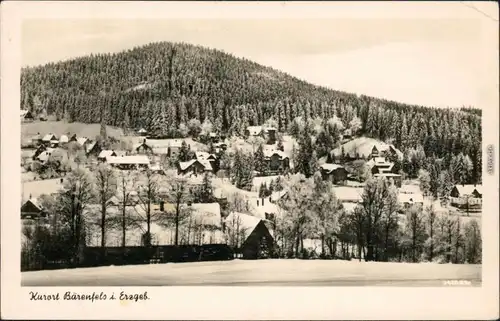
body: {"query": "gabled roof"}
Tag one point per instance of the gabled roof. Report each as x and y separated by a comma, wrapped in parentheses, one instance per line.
(185, 165)
(106, 153)
(245, 223)
(35, 203)
(469, 189)
(63, 139)
(142, 131)
(44, 156)
(364, 147)
(82, 140)
(49, 137)
(128, 160)
(254, 130)
(90, 146)
(204, 156)
(330, 167)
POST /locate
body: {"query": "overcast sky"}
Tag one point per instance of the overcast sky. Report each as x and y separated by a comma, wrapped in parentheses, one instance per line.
(427, 62)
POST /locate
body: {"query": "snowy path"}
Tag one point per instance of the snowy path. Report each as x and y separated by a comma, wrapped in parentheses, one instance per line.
(261, 272)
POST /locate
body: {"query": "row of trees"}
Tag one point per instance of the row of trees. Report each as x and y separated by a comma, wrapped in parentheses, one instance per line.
(95, 201)
(178, 89)
(375, 230)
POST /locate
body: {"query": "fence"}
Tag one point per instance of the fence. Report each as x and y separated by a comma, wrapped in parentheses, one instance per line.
(131, 255)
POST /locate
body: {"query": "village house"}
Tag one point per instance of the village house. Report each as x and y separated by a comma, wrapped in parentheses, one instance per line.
(194, 166)
(83, 141)
(268, 133)
(249, 236)
(335, 173)
(143, 148)
(38, 151)
(67, 138)
(104, 154)
(468, 197)
(277, 161)
(92, 149)
(142, 132)
(26, 116)
(48, 138)
(129, 161)
(204, 156)
(365, 148)
(31, 209)
(379, 165)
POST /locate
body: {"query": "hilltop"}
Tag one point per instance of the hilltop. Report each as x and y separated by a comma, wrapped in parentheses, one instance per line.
(162, 86)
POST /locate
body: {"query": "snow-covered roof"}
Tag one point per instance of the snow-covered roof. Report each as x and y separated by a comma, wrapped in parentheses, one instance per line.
(204, 156)
(469, 189)
(82, 140)
(130, 159)
(185, 165)
(64, 139)
(331, 167)
(142, 131)
(364, 146)
(35, 203)
(254, 130)
(49, 137)
(106, 153)
(243, 222)
(281, 154)
(90, 146)
(24, 112)
(44, 156)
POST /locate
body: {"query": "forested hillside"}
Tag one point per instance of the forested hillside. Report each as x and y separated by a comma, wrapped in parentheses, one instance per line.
(162, 86)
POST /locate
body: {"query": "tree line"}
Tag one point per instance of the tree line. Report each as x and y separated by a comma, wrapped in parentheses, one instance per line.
(170, 88)
(377, 229)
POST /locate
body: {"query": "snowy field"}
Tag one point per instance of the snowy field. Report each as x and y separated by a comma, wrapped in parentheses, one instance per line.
(262, 272)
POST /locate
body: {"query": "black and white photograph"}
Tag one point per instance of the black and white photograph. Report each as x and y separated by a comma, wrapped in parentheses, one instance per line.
(273, 152)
